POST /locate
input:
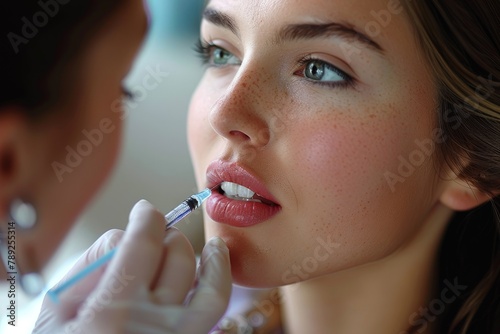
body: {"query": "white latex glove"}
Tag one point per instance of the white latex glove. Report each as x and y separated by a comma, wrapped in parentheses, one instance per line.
(255, 311)
(144, 288)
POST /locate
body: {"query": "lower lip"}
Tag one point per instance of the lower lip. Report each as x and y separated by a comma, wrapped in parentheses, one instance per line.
(238, 213)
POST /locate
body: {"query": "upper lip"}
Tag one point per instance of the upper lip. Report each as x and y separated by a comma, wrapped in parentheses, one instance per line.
(220, 171)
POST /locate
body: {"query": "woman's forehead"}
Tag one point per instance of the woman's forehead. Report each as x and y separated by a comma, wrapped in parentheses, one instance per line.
(369, 24)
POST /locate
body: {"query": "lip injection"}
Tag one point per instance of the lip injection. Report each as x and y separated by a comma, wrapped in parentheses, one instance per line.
(171, 218)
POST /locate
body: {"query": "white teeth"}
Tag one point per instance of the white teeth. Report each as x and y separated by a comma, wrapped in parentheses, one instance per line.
(236, 191)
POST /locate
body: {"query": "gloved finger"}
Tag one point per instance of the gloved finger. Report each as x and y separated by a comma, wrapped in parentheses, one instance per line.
(139, 256)
(207, 305)
(103, 245)
(148, 317)
(178, 270)
(70, 299)
(211, 295)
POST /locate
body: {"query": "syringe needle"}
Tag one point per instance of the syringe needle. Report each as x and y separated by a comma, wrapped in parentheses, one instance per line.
(171, 218)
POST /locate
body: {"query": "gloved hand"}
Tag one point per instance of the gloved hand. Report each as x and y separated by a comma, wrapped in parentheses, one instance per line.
(255, 311)
(145, 287)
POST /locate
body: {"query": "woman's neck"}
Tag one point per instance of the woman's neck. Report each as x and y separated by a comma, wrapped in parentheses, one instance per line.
(387, 296)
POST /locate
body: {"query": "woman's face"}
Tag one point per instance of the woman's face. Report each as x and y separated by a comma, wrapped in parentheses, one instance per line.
(325, 110)
(76, 154)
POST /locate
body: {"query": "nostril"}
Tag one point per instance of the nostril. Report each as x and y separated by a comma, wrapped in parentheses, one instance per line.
(239, 134)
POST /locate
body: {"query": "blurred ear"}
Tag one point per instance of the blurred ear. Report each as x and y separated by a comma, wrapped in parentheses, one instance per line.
(12, 126)
(460, 195)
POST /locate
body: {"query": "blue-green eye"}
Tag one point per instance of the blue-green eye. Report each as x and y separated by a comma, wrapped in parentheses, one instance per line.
(322, 73)
(216, 56)
(318, 70)
(223, 57)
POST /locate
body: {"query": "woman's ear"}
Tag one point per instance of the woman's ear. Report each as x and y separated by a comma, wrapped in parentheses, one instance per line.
(460, 195)
(12, 126)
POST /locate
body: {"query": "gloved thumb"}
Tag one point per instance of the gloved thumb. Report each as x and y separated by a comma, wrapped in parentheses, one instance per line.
(70, 300)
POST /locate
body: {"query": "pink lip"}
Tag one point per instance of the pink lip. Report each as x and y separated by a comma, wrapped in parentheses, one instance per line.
(234, 212)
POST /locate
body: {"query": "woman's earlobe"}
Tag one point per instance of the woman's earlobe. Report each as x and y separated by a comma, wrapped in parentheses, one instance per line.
(460, 195)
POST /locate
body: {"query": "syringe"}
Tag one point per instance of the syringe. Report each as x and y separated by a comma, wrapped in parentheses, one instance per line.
(186, 207)
(171, 218)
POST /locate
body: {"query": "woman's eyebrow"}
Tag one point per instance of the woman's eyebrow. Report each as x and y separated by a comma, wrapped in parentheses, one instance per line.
(300, 31)
(220, 19)
(331, 29)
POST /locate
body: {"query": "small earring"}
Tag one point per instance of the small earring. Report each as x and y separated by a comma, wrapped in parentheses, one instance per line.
(31, 283)
(23, 213)
(25, 216)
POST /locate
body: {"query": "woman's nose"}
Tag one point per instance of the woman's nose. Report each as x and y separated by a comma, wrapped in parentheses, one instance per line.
(241, 114)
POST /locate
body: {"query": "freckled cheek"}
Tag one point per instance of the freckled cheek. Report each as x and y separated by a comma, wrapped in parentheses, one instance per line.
(337, 175)
(330, 160)
(342, 169)
(195, 112)
(202, 103)
(197, 129)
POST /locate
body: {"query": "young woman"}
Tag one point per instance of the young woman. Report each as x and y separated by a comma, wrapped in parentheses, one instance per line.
(354, 149)
(62, 64)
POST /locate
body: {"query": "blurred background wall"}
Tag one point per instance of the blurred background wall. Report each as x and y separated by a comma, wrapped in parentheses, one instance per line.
(154, 163)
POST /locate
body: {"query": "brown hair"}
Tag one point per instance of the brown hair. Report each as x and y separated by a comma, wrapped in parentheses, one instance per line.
(461, 43)
(41, 44)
